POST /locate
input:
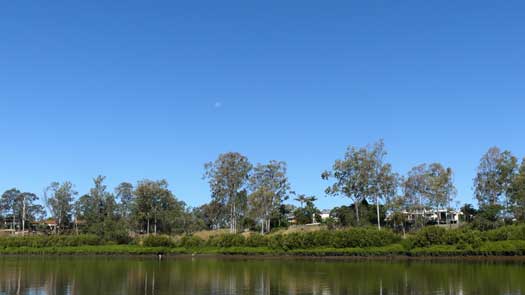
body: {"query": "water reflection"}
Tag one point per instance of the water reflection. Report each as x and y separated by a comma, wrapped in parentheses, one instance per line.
(99, 275)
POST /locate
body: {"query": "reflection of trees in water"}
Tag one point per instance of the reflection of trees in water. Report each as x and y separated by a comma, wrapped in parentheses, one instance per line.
(89, 275)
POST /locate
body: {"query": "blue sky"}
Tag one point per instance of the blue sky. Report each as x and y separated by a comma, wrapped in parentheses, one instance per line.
(154, 89)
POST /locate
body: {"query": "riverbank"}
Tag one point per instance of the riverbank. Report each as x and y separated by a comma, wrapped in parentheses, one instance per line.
(494, 249)
(352, 242)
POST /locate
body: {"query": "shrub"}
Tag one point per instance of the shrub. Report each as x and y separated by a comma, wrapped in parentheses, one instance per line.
(191, 242)
(256, 240)
(505, 248)
(407, 243)
(395, 249)
(319, 238)
(437, 250)
(431, 235)
(512, 232)
(49, 241)
(350, 238)
(275, 241)
(157, 241)
(464, 238)
(363, 237)
(226, 240)
(118, 237)
(294, 241)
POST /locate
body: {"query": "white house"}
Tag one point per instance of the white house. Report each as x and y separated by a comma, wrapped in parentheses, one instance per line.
(441, 216)
(325, 214)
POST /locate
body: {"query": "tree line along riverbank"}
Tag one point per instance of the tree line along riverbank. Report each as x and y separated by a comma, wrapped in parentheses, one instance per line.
(427, 242)
(247, 197)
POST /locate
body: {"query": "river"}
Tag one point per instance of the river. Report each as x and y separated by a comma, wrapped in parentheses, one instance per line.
(208, 275)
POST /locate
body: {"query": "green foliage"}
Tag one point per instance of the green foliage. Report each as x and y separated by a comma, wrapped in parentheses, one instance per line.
(275, 241)
(98, 212)
(93, 250)
(395, 249)
(157, 241)
(428, 186)
(488, 217)
(513, 232)
(429, 236)
(494, 177)
(49, 241)
(434, 235)
(346, 214)
(499, 248)
(155, 208)
(363, 237)
(228, 176)
(517, 193)
(464, 238)
(256, 240)
(307, 214)
(226, 240)
(59, 198)
(503, 248)
(270, 187)
(213, 214)
(238, 251)
(22, 208)
(361, 174)
(349, 238)
(468, 212)
(437, 250)
(430, 241)
(116, 232)
(191, 242)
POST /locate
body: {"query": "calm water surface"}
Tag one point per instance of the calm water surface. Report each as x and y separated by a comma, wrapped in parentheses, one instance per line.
(104, 275)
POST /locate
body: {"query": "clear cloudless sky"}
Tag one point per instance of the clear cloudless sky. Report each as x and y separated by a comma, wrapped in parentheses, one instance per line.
(154, 89)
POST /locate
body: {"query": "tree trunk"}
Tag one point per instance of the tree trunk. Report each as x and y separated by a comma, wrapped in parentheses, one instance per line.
(356, 207)
(24, 216)
(155, 225)
(147, 227)
(232, 221)
(377, 211)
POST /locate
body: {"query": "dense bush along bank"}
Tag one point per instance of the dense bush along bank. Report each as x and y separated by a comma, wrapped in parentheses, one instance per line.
(349, 238)
(429, 241)
(50, 241)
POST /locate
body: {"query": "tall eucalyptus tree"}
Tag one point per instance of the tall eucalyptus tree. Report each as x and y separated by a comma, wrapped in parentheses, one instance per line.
(228, 177)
